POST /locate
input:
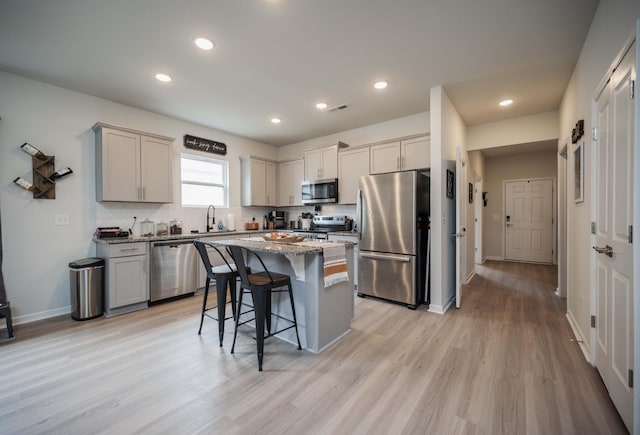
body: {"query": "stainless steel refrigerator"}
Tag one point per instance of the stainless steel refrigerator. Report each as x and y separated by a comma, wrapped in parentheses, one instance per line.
(393, 225)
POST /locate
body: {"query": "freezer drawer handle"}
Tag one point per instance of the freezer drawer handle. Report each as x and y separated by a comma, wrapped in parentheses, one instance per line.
(386, 257)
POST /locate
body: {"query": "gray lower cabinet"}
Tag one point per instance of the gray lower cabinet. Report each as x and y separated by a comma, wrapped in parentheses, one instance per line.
(126, 284)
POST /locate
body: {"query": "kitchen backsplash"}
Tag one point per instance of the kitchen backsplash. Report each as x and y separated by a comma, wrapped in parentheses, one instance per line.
(121, 214)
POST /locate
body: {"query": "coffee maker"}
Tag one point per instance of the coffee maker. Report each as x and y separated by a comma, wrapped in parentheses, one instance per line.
(279, 219)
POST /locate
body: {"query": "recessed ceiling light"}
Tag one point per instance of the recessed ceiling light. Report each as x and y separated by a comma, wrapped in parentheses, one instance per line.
(204, 43)
(321, 106)
(275, 120)
(506, 102)
(163, 77)
(380, 85)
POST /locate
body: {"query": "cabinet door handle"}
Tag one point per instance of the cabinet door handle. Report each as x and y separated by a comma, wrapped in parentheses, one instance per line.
(144, 193)
(398, 163)
(128, 249)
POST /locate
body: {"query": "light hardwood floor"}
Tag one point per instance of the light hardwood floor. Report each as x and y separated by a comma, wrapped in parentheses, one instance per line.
(503, 363)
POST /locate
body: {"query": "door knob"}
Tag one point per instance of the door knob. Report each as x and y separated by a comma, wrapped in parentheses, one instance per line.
(607, 250)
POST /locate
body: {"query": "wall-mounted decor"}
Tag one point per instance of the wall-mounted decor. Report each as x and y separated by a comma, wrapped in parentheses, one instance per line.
(578, 131)
(44, 174)
(450, 184)
(578, 173)
(484, 198)
(470, 193)
(206, 145)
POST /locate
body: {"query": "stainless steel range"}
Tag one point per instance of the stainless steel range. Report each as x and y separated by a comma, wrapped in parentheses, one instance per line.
(323, 225)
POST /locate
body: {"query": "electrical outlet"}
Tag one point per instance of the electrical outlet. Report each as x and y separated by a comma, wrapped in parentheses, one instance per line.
(61, 219)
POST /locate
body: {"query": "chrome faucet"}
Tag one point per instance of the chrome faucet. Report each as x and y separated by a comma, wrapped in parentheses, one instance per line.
(213, 218)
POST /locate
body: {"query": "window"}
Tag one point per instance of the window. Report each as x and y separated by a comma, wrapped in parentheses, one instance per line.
(204, 181)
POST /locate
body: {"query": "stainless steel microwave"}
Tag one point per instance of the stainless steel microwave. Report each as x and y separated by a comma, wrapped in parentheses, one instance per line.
(320, 191)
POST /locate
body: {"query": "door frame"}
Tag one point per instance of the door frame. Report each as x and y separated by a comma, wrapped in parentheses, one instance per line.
(636, 246)
(562, 246)
(554, 215)
(479, 206)
(460, 224)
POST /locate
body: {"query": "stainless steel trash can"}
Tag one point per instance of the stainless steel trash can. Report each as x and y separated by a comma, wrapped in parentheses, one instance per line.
(86, 277)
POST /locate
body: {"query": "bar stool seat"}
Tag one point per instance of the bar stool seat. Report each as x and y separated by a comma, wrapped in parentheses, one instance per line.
(225, 276)
(261, 285)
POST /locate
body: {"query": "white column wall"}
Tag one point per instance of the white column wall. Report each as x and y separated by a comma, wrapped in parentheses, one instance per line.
(447, 132)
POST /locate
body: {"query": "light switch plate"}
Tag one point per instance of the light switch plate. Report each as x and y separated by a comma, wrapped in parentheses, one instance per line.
(61, 219)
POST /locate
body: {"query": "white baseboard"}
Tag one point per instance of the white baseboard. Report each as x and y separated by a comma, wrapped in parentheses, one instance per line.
(441, 309)
(470, 276)
(582, 342)
(437, 309)
(494, 258)
(28, 318)
(449, 304)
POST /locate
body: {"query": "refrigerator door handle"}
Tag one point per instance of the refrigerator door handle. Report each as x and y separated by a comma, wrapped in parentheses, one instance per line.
(359, 213)
(401, 258)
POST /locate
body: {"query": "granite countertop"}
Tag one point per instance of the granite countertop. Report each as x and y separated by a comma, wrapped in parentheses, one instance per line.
(299, 248)
(213, 234)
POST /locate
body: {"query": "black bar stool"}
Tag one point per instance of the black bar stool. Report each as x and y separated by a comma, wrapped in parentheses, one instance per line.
(5, 311)
(261, 285)
(225, 276)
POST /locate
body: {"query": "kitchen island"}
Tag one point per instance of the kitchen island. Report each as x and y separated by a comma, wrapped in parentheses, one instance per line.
(324, 313)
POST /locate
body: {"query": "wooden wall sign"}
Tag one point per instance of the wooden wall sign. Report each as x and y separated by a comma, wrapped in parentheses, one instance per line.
(206, 145)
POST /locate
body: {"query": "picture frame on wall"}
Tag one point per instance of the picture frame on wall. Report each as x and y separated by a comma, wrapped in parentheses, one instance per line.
(470, 193)
(578, 173)
(450, 184)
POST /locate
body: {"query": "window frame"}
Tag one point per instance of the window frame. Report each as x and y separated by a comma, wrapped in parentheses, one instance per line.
(224, 164)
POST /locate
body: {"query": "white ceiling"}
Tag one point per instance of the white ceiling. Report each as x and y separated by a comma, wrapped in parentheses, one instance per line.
(280, 57)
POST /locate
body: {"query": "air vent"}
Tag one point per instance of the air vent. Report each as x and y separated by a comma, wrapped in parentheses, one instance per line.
(340, 107)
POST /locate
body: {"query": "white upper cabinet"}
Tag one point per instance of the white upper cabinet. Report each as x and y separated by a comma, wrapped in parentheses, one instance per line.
(290, 176)
(133, 166)
(321, 163)
(258, 181)
(415, 153)
(352, 165)
(401, 155)
(156, 166)
(385, 157)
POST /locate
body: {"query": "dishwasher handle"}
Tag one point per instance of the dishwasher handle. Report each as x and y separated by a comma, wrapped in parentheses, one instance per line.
(172, 243)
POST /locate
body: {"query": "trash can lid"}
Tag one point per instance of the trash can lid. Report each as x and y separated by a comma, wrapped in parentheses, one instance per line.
(86, 262)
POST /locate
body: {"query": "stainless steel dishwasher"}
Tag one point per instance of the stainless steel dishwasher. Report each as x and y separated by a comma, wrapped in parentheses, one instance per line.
(173, 269)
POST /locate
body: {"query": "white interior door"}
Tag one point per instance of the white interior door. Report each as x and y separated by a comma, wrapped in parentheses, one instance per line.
(612, 258)
(529, 220)
(461, 230)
